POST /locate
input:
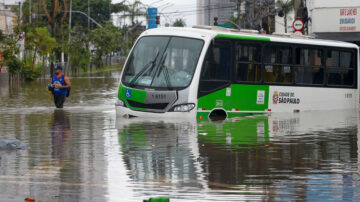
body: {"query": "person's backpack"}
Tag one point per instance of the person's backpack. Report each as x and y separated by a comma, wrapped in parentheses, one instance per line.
(68, 90)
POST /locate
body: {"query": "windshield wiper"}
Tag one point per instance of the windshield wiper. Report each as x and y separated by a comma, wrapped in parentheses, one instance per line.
(166, 72)
(148, 66)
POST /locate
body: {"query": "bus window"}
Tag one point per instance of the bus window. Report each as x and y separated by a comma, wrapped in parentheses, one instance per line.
(277, 60)
(340, 68)
(216, 67)
(248, 67)
(310, 68)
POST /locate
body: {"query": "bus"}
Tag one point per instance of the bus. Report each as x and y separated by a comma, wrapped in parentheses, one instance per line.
(211, 71)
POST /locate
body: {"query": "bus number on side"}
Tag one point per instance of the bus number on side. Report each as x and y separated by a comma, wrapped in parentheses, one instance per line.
(348, 96)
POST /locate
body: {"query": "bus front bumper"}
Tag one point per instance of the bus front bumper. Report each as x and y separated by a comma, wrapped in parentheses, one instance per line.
(128, 113)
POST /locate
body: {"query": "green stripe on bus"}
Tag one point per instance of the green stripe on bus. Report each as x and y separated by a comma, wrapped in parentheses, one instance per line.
(254, 38)
(136, 95)
(242, 98)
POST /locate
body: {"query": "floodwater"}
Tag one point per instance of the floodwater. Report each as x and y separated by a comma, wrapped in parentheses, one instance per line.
(83, 153)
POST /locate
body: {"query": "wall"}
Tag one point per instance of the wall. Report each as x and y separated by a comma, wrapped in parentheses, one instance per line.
(335, 19)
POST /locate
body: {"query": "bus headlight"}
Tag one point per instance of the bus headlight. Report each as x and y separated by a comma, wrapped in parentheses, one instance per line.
(183, 108)
(119, 103)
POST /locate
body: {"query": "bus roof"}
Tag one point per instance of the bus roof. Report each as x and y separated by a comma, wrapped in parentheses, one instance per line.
(217, 32)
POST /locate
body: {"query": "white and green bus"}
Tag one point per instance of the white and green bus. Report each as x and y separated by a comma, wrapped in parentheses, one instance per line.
(206, 71)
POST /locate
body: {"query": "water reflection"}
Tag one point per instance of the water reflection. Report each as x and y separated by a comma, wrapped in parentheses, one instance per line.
(61, 131)
(66, 160)
(83, 153)
(303, 156)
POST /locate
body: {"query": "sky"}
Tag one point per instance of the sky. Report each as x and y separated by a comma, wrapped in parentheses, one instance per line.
(169, 7)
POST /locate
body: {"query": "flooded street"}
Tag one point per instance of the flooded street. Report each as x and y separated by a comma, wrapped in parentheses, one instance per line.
(83, 153)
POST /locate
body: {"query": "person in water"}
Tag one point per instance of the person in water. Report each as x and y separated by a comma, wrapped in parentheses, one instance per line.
(61, 85)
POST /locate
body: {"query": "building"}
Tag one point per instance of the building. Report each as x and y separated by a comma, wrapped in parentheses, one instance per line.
(328, 19)
(251, 17)
(334, 19)
(8, 19)
(207, 10)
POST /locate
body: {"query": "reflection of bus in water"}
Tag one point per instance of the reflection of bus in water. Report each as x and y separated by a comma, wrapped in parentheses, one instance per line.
(181, 72)
(227, 154)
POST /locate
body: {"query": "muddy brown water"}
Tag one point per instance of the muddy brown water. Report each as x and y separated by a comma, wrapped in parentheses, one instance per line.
(84, 153)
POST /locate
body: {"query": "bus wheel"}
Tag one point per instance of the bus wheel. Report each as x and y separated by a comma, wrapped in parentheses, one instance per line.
(218, 115)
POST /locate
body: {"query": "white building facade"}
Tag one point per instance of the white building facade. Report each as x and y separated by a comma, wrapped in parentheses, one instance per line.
(335, 19)
(207, 10)
(328, 19)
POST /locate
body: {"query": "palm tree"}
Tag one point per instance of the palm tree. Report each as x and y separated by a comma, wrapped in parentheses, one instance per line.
(253, 17)
(285, 7)
(179, 23)
(135, 10)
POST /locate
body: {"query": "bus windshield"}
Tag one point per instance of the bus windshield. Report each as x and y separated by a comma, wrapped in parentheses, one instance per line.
(163, 61)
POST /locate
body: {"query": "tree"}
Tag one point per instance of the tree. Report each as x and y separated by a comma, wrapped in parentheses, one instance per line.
(40, 43)
(100, 11)
(285, 7)
(179, 23)
(105, 40)
(56, 9)
(254, 18)
(80, 54)
(9, 50)
(134, 11)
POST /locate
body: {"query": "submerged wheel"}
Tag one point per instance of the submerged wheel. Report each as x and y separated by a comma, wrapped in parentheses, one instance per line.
(218, 114)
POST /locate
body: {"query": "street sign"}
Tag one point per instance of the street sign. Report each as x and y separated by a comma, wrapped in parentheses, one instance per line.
(152, 13)
(298, 25)
(236, 14)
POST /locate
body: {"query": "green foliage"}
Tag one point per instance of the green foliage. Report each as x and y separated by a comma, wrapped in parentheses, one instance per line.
(134, 10)
(39, 42)
(31, 72)
(231, 22)
(100, 11)
(47, 37)
(14, 65)
(105, 41)
(179, 23)
(9, 50)
(80, 54)
(285, 7)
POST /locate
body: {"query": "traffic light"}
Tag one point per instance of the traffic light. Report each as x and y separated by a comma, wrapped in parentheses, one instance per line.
(157, 20)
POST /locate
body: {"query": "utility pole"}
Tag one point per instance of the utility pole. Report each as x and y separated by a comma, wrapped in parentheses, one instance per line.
(89, 15)
(69, 39)
(209, 12)
(238, 20)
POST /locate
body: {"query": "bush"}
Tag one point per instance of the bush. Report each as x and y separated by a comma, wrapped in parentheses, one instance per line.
(31, 74)
(14, 65)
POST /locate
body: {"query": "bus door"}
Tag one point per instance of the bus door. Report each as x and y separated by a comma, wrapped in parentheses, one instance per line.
(216, 76)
